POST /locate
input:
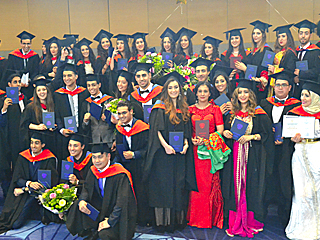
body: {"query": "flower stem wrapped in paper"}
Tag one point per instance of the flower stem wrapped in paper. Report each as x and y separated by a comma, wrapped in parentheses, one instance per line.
(156, 60)
(214, 149)
(112, 107)
(59, 198)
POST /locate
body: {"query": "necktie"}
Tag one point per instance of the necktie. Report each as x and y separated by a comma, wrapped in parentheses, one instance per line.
(126, 125)
(95, 98)
(146, 91)
(279, 101)
(101, 186)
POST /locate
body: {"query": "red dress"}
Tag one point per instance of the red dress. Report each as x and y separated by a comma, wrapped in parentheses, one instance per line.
(206, 206)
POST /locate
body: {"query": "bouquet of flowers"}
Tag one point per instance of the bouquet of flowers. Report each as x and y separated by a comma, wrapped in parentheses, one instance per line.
(155, 59)
(113, 105)
(59, 198)
(187, 72)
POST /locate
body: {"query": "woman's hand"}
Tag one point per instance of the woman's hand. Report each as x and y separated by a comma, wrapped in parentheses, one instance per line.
(41, 127)
(271, 68)
(297, 138)
(73, 179)
(245, 138)
(227, 134)
(223, 108)
(114, 120)
(169, 149)
(232, 73)
(241, 66)
(52, 74)
(185, 148)
(197, 141)
(170, 63)
(64, 53)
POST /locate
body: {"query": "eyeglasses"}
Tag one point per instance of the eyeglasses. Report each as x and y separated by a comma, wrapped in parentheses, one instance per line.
(281, 85)
(144, 75)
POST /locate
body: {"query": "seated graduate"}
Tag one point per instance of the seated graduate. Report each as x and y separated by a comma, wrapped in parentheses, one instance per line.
(20, 203)
(132, 144)
(99, 129)
(108, 188)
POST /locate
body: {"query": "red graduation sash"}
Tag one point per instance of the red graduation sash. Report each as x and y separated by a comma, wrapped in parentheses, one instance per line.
(2, 92)
(72, 93)
(81, 165)
(2, 58)
(101, 100)
(42, 156)
(301, 112)
(311, 47)
(80, 62)
(18, 54)
(138, 127)
(288, 102)
(155, 92)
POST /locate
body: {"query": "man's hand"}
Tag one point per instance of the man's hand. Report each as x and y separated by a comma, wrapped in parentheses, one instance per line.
(83, 207)
(73, 179)
(86, 117)
(66, 132)
(128, 154)
(7, 102)
(17, 192)
(103, 224)
(35, 185)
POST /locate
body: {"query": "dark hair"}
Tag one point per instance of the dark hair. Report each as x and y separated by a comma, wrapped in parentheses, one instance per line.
(190, 48)
(127, 93)
(216, 93)
(103, 53)
(92, 57)
(127, 51)
(241, 48)
(215, 52)
(47, 60)
(36, 104)
(26, 39)
(263, 40)
(12, 76)
(206, 83)
(290, 44)
(172, 43)
(181, 103)
(134, 48)
(125, 103)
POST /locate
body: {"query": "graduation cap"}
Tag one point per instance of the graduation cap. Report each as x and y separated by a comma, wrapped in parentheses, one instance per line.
(318, 29)
(311, 86)
(67, 35)
(137, 35)
(100, 148)
(40, 82)
(136, 67)
(82, 42)
(25, 35)
(283, 29)
(122, 37)
(261, 25)
(103, 34)
(92, 77)
(67, 42)
(13, 73)
(185, 32)
(220, 70)
(245, 83)
(169, 33)
(79, 138)
(233, 32)
(283, 75)
(70, 67)
(39, 135)
(213, 41)
(202, 62)
(127, 75)
(306, 24)
(172, 75)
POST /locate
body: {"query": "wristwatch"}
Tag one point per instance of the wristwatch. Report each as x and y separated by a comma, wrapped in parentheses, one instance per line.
(23, 189)
(255, 137)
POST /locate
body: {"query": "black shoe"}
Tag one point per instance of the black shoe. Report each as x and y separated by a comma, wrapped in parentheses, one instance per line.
(93, 236)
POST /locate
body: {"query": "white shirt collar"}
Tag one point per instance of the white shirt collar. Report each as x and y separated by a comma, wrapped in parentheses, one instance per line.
(98, 96)
(281, 99)
(73, 89)
(108, 165)
(149, 88)
(307, 45)
(32, 154)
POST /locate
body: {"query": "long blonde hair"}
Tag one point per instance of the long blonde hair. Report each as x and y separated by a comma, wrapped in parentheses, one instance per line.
(236, 105)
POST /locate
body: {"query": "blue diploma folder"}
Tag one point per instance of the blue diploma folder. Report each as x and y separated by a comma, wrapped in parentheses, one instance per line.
(66, 169)
(278, 131)
(146, 112)
(176, 141)
(95, 110)
(110, 51)
(238, 128)
(251, 71)
(70, 123)
(13, 93)
(268, 58)
(94, 212)
(44, 177)
(122, 63)
(221, 100)
(48, 119)
(166, 57)
(302, 65)
(121, 148)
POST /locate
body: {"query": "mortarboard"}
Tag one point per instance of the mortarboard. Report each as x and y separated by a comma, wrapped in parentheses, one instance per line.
(92, 77)
(13, 73)
(213, 41)
(233, 32)
(103, 34)
(67, 35)
(169, 33)
(245, 83)
(70, 67)
(136, 67)
(42, 81)
(306, 24)
(127, 75)
(220, 70)
(122, 37)
(79, 138)
(311, 86)
(67, 42)
(50, 40)
(283, 29)
(100, 148)
(202, 62)
(185, 32)
(25, 35)
(38, 135)
(137, 35)
(261, 25)
(174, 75)
(283, 75)
(83, 41)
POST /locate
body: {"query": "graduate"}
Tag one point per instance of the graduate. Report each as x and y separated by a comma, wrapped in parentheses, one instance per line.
(184, 46)
(202, 68)
(168, 43)
(210, 49)
(147, 93)
(68, 101)
(170, 173)
(3, 66)
(74, 53)
(98, 129)
(132, 143)
(139, 46)
(108, 188)
(279, 185)
(124, 85)
(122, 50)
(49, 65)
(20, 203)
(13, 113)
(306, 51)
(24, 60)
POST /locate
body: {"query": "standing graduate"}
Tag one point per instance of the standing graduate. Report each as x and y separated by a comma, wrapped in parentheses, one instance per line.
(97, 128)
(132, 137)
(169, 173)
(108, 188)
(24, 60)
(3, 66)
(122, 50)
(20, 203)
(49, 65)
(244, 175)
(168, 43)
(13, 113)
(139, 46)
(279, 185)
(210, 49)
(124, 85)
(235, 49)
(306, 51)
(184, 46)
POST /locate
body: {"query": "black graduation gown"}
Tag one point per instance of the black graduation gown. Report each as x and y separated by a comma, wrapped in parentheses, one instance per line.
(108, 79)
(279, 185)
(15, 62)
(3, 66)
(28, 116)
(139, 145)
(259, 168)
(82, 72)
(170, 177)
(117, 194)
(46, 69)
(14, 205)
(226, 62)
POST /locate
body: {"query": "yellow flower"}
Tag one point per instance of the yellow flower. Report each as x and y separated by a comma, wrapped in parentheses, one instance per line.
(59, 191)
(62, 202)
